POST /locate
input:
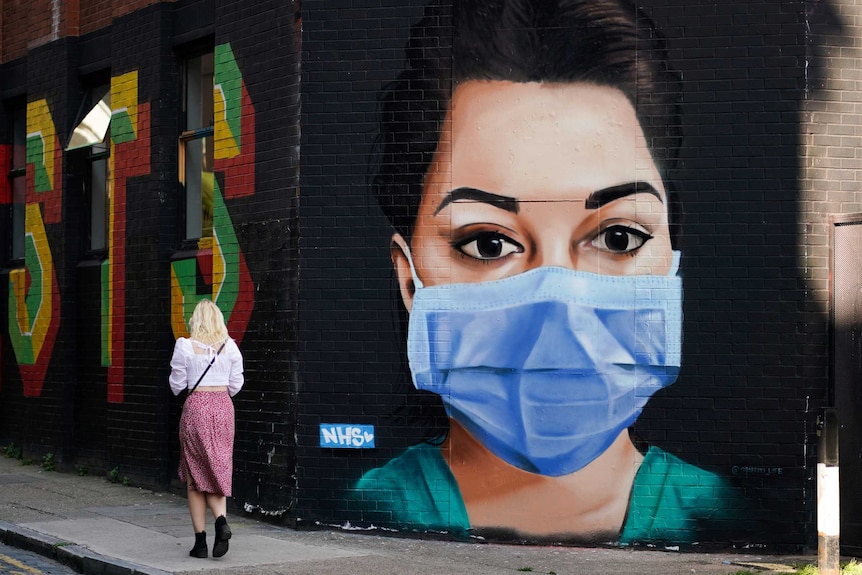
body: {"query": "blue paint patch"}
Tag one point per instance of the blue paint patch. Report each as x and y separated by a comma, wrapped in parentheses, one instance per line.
(346, 436)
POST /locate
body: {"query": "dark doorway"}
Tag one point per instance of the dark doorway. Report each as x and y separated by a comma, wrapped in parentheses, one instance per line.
(846, 318)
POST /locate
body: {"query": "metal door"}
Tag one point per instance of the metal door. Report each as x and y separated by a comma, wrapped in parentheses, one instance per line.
(847, 371)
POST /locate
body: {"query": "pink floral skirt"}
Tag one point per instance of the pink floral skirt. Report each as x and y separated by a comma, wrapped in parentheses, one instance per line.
(206, 442)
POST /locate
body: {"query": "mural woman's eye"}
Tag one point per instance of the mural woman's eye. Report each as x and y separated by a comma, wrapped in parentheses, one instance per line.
(621, 239)
(488, 246)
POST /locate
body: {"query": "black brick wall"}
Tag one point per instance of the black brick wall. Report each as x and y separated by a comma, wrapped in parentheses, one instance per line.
(262, 36)
(322, 344)
(350, 357)
(752, 379)
(755, 357)
(73, 418)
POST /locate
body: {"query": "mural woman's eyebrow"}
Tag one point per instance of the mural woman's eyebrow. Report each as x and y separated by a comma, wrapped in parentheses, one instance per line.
(607, 195)
(503, 202)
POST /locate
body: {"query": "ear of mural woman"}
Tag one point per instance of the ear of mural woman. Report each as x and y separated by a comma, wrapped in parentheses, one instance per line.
(534, 247)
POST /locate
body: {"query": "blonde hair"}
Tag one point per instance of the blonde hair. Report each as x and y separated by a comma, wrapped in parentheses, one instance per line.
(207, 323)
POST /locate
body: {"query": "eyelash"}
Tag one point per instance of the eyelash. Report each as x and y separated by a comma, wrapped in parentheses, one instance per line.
(482, 262)
(459, 244)
(642, 235)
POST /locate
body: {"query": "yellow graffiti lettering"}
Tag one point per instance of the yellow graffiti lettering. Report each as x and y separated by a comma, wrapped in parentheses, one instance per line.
(178, 321)
(124, 96)
(41, 125)
(18, 278)
(219, 266)
(226, 142)
(35, 228)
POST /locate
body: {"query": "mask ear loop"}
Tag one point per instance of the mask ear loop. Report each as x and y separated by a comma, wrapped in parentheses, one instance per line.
(674, 264)
(417, 283)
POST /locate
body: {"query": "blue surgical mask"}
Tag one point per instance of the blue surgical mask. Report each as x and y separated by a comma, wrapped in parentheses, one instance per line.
(548, 367)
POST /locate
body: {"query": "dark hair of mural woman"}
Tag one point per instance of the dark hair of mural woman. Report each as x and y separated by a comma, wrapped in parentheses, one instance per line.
(609, 43)
(588, 69)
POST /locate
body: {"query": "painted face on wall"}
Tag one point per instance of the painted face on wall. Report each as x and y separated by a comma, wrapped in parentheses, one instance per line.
(544, 304)
(529, 175)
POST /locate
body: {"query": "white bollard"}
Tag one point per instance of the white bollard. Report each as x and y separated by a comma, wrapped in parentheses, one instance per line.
(828, 508)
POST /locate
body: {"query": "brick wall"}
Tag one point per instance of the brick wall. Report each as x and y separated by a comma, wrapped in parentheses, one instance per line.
(16, 18)
(829, 190)
(24, 25)
(117, 413)
(753, 376)
(350, 356)
(264, 41)
(755, 352)
(769, 153)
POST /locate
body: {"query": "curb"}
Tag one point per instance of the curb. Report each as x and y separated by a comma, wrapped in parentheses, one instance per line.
(69, 554)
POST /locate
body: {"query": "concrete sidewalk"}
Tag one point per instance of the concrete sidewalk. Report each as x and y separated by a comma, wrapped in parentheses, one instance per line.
(102, 528)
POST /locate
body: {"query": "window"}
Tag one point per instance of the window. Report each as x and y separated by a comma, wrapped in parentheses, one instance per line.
(196, 147)
(91, 133)
(18, 178)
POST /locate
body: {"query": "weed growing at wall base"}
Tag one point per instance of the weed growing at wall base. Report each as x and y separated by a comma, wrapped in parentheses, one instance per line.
(12, 452)
(48, 462)
(114, 477)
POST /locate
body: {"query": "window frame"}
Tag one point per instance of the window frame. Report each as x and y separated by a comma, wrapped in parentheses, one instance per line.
(97, 90)
(93, 157)
(17, 110)
(191, 132)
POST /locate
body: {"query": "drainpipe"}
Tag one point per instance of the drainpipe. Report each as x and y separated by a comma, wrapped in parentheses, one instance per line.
(828, 511)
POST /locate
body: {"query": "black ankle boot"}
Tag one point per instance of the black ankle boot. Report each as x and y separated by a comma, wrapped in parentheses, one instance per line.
(200, 548)
(222, 534)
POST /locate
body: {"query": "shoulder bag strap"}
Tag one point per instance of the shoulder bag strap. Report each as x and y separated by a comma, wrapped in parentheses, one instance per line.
(208, 368)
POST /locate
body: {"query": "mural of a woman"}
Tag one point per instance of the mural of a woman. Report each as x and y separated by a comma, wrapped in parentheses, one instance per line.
(525, 155)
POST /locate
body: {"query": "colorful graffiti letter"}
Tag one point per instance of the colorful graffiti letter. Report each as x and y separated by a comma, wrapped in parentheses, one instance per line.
(34, 305)
(34, 298)
(130, 157)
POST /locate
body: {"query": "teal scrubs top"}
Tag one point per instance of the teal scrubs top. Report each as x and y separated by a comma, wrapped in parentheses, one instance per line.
(672, 502)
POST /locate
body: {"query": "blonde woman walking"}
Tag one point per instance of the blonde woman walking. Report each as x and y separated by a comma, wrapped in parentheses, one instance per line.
(209, 365)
